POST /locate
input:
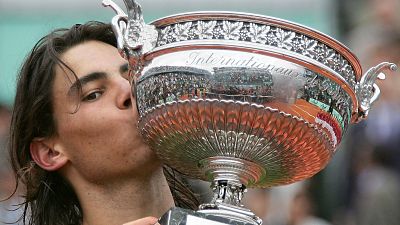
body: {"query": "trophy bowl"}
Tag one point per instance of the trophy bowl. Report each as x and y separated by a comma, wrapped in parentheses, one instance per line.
(242, 100)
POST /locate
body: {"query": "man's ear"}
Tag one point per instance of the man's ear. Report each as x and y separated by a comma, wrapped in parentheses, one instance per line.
(45, 156)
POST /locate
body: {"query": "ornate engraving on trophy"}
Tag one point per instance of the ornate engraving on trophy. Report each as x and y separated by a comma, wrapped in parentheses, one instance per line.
(202, 58)
(219, 59)
(268, 35)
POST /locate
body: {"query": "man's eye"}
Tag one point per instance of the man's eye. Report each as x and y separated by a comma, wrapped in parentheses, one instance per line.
(92, 96)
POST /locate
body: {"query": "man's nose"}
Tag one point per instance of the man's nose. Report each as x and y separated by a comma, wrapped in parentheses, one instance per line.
(124, 96)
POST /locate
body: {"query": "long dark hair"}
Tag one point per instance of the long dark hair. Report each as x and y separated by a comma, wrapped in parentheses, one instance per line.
(49, 198)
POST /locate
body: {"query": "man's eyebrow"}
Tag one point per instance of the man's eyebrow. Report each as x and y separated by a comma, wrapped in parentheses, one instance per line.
(82, 81)
(124, 68)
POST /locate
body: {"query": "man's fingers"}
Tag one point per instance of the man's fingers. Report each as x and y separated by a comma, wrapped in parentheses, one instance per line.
(144, 221)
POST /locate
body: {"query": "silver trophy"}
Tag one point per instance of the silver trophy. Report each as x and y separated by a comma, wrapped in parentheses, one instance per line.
(240, 100)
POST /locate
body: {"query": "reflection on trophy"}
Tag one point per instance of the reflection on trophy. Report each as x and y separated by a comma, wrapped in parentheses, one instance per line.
(240, 100)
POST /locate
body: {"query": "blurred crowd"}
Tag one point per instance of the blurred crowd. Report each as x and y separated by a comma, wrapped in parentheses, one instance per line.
(372, 190)
(9, 212)
(361, 185)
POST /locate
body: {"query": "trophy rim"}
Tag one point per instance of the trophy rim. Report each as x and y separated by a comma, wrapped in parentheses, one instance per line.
(341, 48)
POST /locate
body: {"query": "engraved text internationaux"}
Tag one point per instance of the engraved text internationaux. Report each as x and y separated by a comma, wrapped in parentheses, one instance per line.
(211, 59)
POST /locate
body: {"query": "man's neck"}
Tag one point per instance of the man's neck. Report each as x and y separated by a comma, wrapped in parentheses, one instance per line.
(127, 201)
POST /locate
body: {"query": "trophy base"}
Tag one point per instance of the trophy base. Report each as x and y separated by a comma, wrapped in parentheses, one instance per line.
(180, 216)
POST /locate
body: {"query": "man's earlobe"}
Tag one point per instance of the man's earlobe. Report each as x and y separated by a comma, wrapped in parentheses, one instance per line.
(46, 156)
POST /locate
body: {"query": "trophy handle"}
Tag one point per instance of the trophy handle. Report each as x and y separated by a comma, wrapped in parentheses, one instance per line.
(118, 24)
(367, 91)
(134, 37)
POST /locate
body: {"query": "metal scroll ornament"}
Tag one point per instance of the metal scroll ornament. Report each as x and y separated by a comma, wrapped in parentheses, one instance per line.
(241, 100)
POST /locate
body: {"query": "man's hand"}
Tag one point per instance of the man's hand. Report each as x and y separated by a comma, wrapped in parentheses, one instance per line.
(144, 221)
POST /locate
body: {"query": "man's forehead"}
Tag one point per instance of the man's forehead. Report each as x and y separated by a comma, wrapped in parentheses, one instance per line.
(91, 56)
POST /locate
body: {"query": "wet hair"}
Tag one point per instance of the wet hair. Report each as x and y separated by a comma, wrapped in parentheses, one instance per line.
(49, 198)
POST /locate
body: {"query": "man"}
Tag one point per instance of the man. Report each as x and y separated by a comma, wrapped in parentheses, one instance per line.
(74, 141)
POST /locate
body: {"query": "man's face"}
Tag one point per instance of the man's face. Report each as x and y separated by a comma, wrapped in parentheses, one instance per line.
(100, 137)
